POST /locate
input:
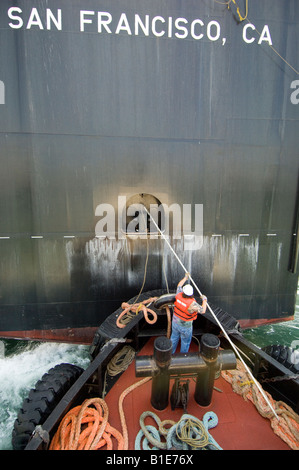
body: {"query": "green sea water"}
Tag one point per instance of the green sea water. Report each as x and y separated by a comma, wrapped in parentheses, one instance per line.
(286, 333)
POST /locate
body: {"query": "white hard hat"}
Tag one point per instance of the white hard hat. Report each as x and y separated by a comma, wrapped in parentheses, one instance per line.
(188, 290)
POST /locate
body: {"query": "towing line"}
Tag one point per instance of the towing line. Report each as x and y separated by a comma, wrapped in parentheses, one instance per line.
(216, 319)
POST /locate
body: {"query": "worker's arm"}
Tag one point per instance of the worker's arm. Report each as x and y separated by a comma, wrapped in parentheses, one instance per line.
(195, 307)
(182, 281)
(204, 304)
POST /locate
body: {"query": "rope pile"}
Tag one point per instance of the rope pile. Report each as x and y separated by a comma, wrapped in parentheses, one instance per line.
(287, 426)
(120, 362)
(86, 427)
(131, 310)
(189, 433)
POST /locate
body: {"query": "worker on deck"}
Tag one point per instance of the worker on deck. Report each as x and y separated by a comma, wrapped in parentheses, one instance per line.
(185, 312)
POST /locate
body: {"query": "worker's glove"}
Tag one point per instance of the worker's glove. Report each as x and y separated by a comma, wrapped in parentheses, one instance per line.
(203, 297)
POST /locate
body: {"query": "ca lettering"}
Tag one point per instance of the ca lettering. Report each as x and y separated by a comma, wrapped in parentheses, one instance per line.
(249, 38)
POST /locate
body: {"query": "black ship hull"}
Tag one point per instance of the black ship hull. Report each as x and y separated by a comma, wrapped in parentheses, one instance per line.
(185, 105)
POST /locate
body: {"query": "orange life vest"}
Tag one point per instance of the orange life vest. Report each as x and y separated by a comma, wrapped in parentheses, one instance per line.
(181, 306)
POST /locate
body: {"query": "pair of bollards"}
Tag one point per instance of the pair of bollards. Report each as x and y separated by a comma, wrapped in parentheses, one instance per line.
(162, 365)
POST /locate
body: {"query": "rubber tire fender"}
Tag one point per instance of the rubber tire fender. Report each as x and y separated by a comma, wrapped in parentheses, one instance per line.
(164, 300)
(284, 355)
(41, 401)
(99, 339)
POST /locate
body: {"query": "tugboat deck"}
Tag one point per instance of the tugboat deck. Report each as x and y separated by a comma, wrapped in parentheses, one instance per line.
(240, 426)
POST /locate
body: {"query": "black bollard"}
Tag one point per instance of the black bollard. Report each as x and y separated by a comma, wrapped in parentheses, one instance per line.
(160, 382)
(209, 347)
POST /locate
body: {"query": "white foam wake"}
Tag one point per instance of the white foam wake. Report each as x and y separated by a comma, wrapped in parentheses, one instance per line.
(20, 372)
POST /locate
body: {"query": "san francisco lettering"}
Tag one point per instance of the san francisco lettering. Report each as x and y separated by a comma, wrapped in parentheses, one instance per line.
(103, 22)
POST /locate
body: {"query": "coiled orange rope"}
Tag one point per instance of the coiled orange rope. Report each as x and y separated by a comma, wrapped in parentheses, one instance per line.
(86, 427)
(134, 309)
(73, 434)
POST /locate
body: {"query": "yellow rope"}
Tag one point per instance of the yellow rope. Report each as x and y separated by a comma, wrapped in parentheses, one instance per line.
(186, 431)
(118, 364)
(238, 11)
(250, 22)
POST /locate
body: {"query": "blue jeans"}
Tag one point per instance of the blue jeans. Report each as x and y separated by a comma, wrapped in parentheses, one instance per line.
(181, 330)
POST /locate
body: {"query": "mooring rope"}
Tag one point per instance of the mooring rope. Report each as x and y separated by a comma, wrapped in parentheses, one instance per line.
(216, 319)
(119, 363)
(86, 427)
(288, 427)
(188, 433)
